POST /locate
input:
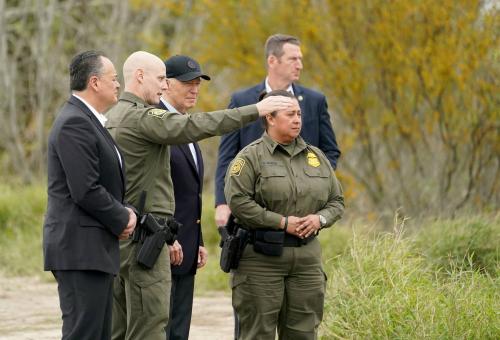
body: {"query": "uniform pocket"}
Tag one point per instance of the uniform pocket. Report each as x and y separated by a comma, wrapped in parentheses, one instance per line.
(149, 288)
(316, 185)
(274, 184)
(154, 297)
(317, 172)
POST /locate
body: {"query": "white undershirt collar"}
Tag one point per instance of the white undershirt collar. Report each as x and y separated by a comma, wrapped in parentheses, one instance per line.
(100, 117)
(269, 89)
(170, 108)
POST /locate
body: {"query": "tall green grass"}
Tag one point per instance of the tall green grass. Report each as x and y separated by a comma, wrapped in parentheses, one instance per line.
(439, 279)
(462, 243)
(21, 220)
(396, 287)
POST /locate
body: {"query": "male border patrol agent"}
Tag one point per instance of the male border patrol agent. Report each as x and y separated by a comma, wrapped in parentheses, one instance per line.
(143, 132)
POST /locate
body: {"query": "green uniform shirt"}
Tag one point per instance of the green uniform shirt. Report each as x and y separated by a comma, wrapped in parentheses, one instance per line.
(144, 133)
(267, 181)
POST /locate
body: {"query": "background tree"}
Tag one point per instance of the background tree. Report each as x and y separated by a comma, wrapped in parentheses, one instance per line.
(37, 40)
(413, 85)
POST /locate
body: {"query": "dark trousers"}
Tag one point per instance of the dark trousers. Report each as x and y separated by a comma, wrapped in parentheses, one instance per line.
(181, 307)
(85, 297)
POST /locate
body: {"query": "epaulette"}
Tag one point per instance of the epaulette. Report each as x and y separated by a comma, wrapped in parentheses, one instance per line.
(251, 145)
(255, 142)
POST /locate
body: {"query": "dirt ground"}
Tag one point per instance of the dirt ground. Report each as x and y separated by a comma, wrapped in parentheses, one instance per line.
(29, 310)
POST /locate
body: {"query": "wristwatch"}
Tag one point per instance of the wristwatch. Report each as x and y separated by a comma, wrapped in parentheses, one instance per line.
(322, 220)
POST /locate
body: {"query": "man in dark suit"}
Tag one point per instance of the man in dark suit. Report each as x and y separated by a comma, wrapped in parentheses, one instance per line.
(186, 166)
(284, 63)
(85, 214)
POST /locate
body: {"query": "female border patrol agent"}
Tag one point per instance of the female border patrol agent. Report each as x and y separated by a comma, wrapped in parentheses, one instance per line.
(283, 191)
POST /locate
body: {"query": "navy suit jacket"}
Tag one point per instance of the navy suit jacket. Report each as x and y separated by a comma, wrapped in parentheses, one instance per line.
(316, 130)
(86, 187)
(188, 187)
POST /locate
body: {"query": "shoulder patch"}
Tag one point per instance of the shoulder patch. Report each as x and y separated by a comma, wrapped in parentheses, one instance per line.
(237, 166)
(158, 113)
(312, 159)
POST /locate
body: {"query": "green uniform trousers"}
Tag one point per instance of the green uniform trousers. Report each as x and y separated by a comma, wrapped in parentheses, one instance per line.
(141, 297)
(283, 294)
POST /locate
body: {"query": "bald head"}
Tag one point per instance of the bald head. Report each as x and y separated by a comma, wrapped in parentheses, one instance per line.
(140, 60)
(144, 76)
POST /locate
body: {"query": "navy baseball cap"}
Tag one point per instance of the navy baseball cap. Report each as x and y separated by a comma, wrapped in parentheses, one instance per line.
(184, 68)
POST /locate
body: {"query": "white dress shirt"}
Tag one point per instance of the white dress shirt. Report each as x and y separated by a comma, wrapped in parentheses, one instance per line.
(269, 89)
(170, 108)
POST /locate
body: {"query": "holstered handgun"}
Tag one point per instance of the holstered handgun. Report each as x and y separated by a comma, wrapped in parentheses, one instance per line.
(153, 233)
(233, 242)
(157, 235)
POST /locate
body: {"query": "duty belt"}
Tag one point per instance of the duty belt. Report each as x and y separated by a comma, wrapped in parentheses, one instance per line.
(289, 241)
(294, 241)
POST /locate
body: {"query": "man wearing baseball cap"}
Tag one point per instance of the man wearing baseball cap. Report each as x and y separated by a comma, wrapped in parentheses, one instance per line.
(186, 166)
(184, 68)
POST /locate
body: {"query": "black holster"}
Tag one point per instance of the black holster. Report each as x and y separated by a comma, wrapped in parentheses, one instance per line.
(155, 232)
(268, 241)
(233, 243)
(150, 250)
